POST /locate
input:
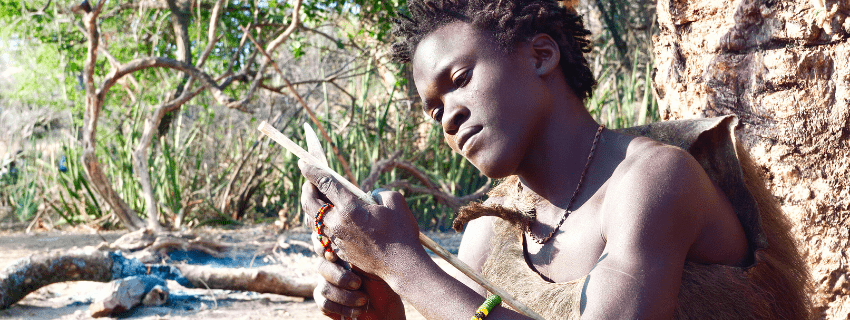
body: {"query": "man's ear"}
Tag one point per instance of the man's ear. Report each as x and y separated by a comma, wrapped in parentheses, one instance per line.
(546, 54)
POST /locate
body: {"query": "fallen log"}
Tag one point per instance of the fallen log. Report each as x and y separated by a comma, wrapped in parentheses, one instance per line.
(99, 264)
(266, 279)
(87, 264)
(38, 270)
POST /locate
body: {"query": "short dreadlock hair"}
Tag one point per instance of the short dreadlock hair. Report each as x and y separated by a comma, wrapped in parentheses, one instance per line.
(511, 22)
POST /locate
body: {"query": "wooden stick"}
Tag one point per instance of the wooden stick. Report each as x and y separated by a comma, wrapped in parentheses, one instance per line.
(302, 154)
(278, 137)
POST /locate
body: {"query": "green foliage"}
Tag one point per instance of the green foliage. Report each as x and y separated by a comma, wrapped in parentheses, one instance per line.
(624, 100)
(23, 195)
(35, 73)
(622, 61)
(74, 200)
(211, 161)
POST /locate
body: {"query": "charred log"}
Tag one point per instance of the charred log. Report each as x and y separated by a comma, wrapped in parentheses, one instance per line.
(97, 264)
(38, 270)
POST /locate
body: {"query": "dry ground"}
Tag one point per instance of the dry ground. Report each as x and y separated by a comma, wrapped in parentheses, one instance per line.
(70, 300)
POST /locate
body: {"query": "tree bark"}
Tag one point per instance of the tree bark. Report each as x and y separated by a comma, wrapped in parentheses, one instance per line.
(181, 15)
(784, 68)
(94, 103)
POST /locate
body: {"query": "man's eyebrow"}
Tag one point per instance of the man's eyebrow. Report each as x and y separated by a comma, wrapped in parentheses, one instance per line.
(443, 71)
(435, 82)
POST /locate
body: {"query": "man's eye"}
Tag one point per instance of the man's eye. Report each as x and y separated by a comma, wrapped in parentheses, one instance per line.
(462, 79)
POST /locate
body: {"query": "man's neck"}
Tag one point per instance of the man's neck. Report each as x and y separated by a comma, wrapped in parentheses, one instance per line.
(553, 166)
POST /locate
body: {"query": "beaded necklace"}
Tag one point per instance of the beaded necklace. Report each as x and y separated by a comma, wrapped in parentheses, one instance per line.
(573, 198)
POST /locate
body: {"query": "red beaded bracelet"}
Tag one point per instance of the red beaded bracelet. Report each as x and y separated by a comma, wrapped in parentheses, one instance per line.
(319, 216)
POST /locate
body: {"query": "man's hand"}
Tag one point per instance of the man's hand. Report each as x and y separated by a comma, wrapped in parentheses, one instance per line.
(344, 293)
(339, 293)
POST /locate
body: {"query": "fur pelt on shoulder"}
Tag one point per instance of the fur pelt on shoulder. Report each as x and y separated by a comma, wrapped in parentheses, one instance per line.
(776, 283)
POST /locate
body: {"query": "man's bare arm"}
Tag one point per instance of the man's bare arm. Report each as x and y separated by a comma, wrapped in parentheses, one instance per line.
(474, 249)
(650, 220)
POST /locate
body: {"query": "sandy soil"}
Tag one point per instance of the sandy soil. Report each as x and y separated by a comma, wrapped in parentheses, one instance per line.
(71, 300)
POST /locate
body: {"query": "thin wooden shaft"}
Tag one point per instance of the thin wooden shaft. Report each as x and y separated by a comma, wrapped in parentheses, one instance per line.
(302, 154)
(278, 137)
(477, 277)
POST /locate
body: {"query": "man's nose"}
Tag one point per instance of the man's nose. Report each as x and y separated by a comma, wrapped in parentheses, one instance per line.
(454, 114)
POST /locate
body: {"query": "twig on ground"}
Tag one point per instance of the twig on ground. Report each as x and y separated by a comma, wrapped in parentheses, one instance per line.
(212, 294)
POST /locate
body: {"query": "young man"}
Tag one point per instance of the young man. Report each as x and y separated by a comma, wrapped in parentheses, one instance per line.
(614, 222)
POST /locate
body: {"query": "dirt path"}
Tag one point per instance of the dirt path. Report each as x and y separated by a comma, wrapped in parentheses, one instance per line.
(71, 300)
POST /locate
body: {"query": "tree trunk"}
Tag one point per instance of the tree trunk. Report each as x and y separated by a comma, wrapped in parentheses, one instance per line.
(146, 249)
(181, 15)
(94, 104)
(784, 68)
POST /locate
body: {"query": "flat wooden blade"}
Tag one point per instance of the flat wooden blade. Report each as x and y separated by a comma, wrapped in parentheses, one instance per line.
(313, 144)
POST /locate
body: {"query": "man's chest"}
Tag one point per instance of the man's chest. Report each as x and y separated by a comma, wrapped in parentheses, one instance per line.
(570, 254)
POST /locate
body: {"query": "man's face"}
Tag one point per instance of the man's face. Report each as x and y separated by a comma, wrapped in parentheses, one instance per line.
(491, 104)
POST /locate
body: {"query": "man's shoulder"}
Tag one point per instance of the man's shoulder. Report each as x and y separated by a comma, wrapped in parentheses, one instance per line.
(649, 163)
(654, 182)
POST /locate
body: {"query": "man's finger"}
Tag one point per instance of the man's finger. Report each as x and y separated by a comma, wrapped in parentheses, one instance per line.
(320, 250)
(392, 199)
(309, 201)
(327, 184)
(345, 298)
(329, 306)
(338, 276)
(317, 245)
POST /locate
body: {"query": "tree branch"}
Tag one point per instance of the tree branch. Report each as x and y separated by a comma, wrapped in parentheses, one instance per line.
(286, 33)
(310, 113)
(316, 31)
(270, 48)
(153, 62)
(443, 194)
(211, 37)
(448, 199)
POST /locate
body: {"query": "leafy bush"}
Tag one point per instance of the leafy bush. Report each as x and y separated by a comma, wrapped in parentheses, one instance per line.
(208, 164)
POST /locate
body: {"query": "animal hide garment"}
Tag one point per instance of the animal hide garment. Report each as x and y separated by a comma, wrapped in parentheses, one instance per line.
(774, 285)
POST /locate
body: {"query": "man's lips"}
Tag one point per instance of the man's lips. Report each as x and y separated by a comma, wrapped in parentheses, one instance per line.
(464, 134)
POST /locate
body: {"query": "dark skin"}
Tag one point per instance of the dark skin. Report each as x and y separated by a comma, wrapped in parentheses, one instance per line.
(643, 210)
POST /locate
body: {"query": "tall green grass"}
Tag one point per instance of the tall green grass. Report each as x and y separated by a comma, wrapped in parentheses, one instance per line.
(623, 100)
(72, 198)
(213, 161)
(24, 194)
